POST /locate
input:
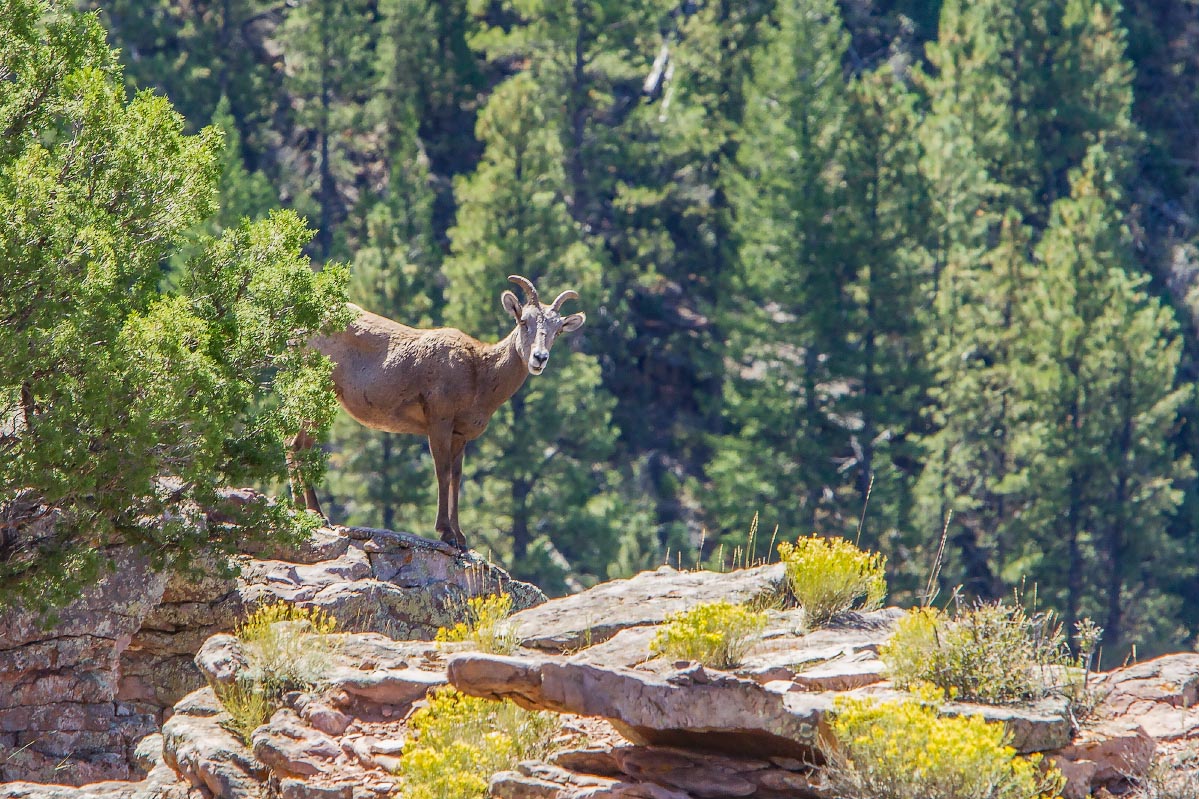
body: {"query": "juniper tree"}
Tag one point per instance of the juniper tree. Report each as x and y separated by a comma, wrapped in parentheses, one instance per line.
(126, 411)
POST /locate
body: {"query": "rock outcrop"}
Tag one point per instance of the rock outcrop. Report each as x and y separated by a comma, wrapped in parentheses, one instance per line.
(60, 716)
(636, 726)
(77, 697)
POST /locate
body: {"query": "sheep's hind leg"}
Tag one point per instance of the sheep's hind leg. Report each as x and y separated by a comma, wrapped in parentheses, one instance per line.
(303, 495)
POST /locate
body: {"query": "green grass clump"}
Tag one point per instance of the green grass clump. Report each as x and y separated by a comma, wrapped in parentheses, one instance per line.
(486, 625)
(716, 634)
(460, 741)
(906, 750)
(829, 576)
(994, 652)
(249, 706)
(288, 648)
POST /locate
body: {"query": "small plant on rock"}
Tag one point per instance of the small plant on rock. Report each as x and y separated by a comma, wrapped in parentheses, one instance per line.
(829, 576)
(249, 706)
(486, 625)
(716, 634)
(460, 741)
(906, 750)
(288, 648)
(991, 652)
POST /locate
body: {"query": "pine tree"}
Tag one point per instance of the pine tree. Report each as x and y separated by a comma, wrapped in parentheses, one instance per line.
(536, 488)
(1006, 124)
(883, 224)
(1106, 474)
(970, 471)
(327, 52)
(785, 330)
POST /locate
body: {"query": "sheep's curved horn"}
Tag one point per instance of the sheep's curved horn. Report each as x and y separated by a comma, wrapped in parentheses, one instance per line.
(569, 294)
(531, 297)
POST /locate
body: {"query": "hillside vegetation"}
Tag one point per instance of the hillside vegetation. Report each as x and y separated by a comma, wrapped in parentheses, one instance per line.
(885, 269)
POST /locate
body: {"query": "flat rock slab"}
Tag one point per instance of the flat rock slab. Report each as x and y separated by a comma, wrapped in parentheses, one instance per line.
(788, 650)
(692, 707)
(593, 616)
(1160, 695)
(840, 657)
(374, 670)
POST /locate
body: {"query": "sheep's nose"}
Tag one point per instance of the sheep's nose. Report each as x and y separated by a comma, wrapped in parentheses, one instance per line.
(540, 357)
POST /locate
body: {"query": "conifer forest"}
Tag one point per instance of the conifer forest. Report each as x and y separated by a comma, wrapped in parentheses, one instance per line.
(919, 273)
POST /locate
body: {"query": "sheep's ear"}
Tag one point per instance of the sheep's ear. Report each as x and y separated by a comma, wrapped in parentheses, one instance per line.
(573, 322)
(511, 304)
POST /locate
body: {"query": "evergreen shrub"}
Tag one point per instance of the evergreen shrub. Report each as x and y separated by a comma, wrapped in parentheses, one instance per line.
(460, 741)
(906, 750)
(716, 634)
(829, 576)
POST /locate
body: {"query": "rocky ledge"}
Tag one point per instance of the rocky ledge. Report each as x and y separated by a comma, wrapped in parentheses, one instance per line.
(77, 697)
(641, 727)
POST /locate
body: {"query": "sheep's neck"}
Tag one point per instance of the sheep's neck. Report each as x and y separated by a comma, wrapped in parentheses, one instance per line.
(508, 368)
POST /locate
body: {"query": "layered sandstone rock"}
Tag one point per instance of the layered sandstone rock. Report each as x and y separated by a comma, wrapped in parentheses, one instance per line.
(77, 696)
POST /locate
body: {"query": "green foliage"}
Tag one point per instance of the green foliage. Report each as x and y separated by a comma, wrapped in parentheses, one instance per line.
(821, 262)
(993, 652)
(248, 704)
(486, 625)
(460, 741)
(716, 634)
(829, 576)
(126, 409)
(906, 750)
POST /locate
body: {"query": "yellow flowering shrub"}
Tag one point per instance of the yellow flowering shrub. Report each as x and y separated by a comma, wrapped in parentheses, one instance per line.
(829, 576)
(992, 652)
(907, 750)
(460, 741)
(486, 625)
(248, 704)
(287, 648)
(287, 645)
(717, 634)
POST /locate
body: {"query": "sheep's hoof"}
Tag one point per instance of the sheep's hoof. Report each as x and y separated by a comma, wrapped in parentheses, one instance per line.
(454, 538)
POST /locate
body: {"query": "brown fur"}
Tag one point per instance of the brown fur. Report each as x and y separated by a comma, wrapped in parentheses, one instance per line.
(440, 383)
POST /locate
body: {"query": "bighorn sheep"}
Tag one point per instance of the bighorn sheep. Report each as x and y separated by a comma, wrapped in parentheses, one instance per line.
(438, 383)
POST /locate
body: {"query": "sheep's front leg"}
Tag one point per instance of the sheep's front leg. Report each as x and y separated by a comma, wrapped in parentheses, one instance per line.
(441, 439)
(458, 448)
